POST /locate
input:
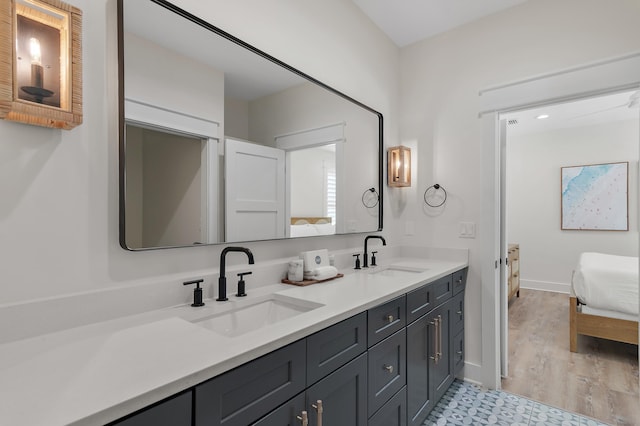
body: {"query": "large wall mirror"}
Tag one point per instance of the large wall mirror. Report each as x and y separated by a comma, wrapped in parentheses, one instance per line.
(222, 143)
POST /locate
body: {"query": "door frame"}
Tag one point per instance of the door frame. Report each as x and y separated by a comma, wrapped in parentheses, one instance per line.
(588, 80)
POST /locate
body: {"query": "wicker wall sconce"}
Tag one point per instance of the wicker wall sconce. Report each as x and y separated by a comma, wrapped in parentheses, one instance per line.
(399, 166)
(41, 63)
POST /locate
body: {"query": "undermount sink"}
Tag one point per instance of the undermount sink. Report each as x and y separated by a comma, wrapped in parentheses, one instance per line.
(256, 314)
(397, 271)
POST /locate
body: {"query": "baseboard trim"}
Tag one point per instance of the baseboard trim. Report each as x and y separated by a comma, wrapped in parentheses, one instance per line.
(546, 286)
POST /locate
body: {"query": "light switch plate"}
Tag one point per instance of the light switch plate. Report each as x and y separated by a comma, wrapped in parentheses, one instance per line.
(467, 230)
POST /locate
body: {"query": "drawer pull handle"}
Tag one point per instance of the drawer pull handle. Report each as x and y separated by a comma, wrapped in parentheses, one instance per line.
(389, 368)
(459, 352)
(303, 418)
(390, 318)
(319, 410)
(459, 312)
(439, 354)
(459, 281)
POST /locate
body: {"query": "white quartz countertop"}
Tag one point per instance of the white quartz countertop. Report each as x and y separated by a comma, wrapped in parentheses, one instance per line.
(98, 373)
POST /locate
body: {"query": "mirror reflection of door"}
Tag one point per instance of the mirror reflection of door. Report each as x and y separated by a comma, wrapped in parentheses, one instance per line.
(254, 191)
(164, 186)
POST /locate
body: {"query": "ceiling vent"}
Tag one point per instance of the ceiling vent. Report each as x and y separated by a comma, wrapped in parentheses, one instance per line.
(512, 122)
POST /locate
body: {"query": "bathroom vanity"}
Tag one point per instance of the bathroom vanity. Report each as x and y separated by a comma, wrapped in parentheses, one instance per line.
(377, 347)
(387, 365)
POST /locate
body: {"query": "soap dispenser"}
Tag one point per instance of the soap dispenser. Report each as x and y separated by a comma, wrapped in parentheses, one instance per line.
(197, 292)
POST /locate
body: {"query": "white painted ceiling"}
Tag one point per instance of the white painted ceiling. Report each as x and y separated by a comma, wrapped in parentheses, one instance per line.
(408, 21)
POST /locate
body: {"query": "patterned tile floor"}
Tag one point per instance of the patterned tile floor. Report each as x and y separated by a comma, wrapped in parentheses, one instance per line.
(467, 404)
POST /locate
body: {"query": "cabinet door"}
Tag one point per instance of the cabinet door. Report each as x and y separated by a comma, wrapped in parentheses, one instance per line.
(343, 394)
(175, 411)
(334, 346)
(393, 413)
(285, 415)
(387, 362)
(442, 367)
(420, 351)
(245, 394)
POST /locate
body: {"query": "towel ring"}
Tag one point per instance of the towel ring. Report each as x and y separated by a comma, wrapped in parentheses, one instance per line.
(370, 198)
(435, 188)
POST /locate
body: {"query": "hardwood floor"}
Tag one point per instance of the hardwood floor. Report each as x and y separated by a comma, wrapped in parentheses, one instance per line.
(599, 381)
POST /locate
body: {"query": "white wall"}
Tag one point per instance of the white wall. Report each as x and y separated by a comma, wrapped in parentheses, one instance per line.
(440, 81)
(548, 254)
(59, 189)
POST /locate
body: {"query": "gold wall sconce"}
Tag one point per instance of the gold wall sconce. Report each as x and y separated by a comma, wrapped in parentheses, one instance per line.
(41, 63)
(399, 166)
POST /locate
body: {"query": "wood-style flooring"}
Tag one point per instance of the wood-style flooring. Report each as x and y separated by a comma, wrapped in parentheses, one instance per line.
(599, 381)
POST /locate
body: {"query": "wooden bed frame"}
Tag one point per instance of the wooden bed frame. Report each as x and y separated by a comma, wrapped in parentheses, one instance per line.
(598, 326)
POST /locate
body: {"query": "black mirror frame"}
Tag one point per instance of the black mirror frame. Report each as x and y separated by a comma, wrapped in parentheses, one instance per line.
(198, 21)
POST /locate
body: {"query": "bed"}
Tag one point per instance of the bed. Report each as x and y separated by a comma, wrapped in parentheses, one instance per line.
(604, 298)
(310, 226)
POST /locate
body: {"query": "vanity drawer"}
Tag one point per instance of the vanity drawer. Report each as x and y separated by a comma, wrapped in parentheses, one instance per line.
(387, 369)
(243, 395)
(386, 319)
(393, 413)
(457, 313)
(442, 290)
(333, 347)
(419, 302)
(459, 280)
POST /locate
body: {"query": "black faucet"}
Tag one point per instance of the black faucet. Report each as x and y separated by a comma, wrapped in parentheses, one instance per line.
(222, 281)
(365, 261)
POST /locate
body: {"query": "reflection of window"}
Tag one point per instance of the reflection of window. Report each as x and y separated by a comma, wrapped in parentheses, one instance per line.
(330, 193)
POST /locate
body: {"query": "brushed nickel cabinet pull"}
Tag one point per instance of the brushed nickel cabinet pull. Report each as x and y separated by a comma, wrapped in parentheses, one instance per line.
(319, 410)
(434, 323)
(439, 337)
(389, 368)
(390, 318)
(303, 418)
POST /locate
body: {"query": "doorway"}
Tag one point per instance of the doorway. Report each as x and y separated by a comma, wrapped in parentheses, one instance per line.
(539, 143)
(610, 76)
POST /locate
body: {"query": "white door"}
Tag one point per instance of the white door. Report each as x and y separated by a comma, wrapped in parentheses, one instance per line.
(254, 191)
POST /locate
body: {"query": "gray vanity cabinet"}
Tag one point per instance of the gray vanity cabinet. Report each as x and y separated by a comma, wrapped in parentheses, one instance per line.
(435, 342)
(175, 411)
(247, 393)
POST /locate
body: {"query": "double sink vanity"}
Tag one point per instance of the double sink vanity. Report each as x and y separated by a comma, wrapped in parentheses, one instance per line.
(378, 346)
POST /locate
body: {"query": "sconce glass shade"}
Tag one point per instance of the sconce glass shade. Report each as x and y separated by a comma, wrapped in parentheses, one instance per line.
(399, 166)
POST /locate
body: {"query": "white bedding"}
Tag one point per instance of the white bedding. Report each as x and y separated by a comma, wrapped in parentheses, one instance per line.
(312, 229)
(609, 282)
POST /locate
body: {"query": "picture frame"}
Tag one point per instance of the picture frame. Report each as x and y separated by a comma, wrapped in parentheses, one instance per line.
(595, 197)
(41, 63)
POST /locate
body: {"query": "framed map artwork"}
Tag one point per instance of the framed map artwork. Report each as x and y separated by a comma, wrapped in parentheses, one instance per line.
(595, 197)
